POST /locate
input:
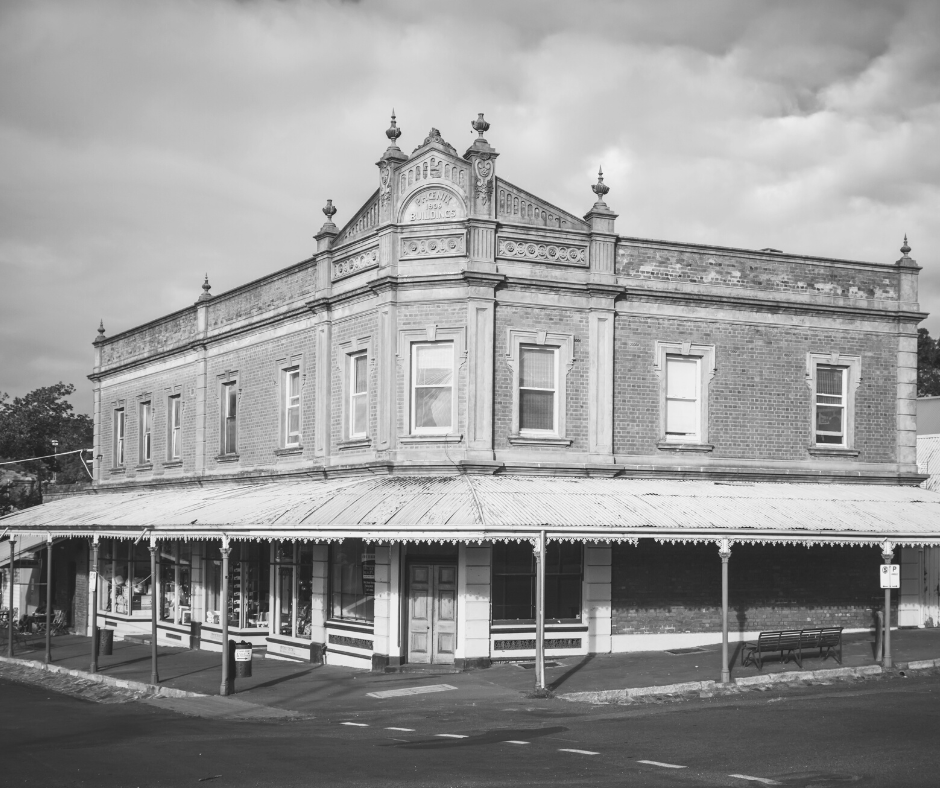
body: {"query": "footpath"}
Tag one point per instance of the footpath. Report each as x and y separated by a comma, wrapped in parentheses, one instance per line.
(280, 690)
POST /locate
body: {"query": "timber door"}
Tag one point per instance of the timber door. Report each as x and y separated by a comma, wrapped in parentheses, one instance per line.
(432, 613)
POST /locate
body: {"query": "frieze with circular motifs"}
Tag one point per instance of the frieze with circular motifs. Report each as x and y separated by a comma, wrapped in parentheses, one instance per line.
(435, 246)
(550, 253)
(356, 263)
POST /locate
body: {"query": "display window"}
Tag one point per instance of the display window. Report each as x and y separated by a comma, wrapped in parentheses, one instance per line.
(125, 586)
(293, 588)
(249, 578)
(514, 582)
(352, 581)
(176, 562)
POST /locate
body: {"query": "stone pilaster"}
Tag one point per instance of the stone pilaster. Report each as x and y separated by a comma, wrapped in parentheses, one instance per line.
(481, 227)
(481, 321)
(601, 376)
(907, 364)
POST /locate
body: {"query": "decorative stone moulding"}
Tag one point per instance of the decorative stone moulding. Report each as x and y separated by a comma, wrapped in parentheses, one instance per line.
(546, 253)
(433, 246)
(353, 265)
(433, 167)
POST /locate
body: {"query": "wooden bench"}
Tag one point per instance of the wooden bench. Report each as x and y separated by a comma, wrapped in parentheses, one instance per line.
(792, 643)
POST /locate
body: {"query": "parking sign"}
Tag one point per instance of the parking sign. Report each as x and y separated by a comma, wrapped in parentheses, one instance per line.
(890, 576)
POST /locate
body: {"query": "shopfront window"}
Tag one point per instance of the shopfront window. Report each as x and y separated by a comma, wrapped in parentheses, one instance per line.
(352, 580)
(175, 582)
(124, 583)
(293, 566)
(514, 582)
(249, 578)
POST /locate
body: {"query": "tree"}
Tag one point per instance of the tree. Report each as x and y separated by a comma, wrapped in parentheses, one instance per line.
(29, 424)
(928, 365)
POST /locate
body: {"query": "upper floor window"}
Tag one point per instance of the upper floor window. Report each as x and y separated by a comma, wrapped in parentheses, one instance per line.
(683, 399)
(146, 424)
(358, 395)
(174, 427)
(830, 405)
(833, 380)
(229, 418)
(432, 388)
(538, 382)
(119, 426)
(291, 405)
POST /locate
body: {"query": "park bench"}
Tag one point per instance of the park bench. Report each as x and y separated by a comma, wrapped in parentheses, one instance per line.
(792, 643)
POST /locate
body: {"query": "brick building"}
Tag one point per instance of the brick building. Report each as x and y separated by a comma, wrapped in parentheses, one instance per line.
(471, 414)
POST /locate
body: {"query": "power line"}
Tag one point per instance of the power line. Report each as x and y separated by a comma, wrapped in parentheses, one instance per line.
(45, 456)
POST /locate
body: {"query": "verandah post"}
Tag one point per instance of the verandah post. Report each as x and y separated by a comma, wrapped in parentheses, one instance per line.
(12, 576)
(887, 553)
(540, 547)
(93, 573)
(154, 674)
(48, 598)
(225, 689)
(724, 551)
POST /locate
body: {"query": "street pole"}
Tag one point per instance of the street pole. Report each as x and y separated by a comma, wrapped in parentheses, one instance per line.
(49, 599)
(154, 675)
(887, 553)
(225, 689)
(94, 604)
(12, 577)
(540, 612)
(724, 551)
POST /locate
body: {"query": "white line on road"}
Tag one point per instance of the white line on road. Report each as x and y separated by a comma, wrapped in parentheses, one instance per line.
(579, 752)
(355, 724)
(407, 730)
(664, 765)
(397, 693)
(451, 735)
(510, 741)
(763, 780)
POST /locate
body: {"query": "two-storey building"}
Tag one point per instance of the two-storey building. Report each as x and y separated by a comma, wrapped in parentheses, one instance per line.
(467, 400)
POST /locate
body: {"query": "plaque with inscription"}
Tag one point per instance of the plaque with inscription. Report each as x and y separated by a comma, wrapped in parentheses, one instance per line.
(433, 205)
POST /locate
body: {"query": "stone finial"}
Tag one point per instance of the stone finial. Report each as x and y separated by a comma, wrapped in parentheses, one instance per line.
(905, 249)
(329, 211)
(600, 188)
(101, 337)
(393, 132)
(479, 125)
(205, 295)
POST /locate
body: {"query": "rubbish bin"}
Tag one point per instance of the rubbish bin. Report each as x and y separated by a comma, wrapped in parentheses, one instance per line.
(242, 660)
(105, 641)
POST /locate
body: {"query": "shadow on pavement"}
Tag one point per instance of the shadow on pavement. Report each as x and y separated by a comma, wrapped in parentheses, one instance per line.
(569, 673)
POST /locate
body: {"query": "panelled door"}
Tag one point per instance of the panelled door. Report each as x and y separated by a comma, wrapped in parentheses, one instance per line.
(432, 613)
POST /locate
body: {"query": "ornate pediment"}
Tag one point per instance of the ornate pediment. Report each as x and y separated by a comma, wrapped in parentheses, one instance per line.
(366, 219)
(517, 206)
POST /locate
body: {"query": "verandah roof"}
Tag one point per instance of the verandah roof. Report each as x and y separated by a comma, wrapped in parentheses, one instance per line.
(473, 508)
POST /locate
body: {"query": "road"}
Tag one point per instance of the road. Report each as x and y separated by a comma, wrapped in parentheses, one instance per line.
(877, 733)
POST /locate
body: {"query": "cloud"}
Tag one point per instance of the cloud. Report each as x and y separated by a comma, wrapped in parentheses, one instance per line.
(143, 145)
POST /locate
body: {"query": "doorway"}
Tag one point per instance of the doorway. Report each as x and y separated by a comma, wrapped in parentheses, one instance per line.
(432, 613)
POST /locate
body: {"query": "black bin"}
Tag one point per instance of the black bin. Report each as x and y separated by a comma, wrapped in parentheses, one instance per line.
(242, 657)
(105, 642)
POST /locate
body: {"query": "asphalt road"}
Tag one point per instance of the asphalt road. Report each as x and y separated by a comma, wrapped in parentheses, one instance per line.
(878, 733)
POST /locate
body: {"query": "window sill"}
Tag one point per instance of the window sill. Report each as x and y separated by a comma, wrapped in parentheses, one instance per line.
(169, 464)
(227, 458)
(289, 451)
(685, 447)
(354, 443)
(832, 451)
(118, 471)
(144, 466)
(431, 438)
(538, 440)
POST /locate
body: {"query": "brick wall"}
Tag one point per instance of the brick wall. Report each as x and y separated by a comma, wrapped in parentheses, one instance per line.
(759, 404)
(560, 321)
(351, 330)
(734, 268)
(677, 588)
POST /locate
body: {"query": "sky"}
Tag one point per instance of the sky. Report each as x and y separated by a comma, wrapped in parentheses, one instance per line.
(143, 145)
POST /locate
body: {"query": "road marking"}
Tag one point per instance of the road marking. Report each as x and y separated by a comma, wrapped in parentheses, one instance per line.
(664, 765)
(407, 730)
(510, 741)
(763, 780)
(356, 724)
(451, 735)
(397, 693)
(579, 752)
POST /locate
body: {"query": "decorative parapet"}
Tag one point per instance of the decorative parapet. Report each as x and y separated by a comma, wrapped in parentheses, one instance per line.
(440, 245)
(353, 264)
(523, 249)
(365, 220)
(156, 337)
(519, 206)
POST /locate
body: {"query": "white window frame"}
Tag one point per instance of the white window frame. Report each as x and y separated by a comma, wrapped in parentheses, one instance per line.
(174, 427)
(553, 430)
(120, 435)
(696, 435)
(450, 428)
(432, 334)
(225, 381)
(704, 356)
(145, 432)
(351, 396)
(288, 403)
(563, 346)
(851, 379)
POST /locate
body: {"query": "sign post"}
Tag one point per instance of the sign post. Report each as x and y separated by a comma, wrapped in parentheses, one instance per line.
(890, 575)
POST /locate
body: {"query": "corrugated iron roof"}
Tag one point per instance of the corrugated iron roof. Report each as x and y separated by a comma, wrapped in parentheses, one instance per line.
(490, 505)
